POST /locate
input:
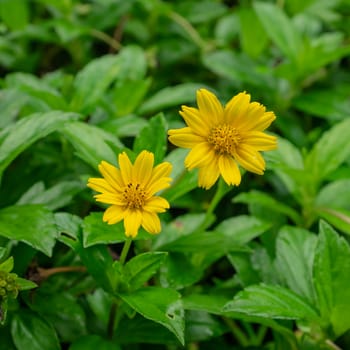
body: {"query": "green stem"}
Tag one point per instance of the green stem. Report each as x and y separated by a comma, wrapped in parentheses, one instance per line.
(190, 30)
(114, 44)
(111, 320)
(236, 331)
(261, 335)
(221, 190)
(113, 316)
(125, 250)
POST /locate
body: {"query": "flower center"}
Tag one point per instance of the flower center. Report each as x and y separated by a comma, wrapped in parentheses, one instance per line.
(134, 196)
(224, 139)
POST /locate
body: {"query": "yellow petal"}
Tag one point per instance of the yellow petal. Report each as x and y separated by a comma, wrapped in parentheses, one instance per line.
(208, 175)
(110, 198)
(229, 170)
(158, 185)
(195, 120)
(113, 214)
(132, 222)
(250, 159)
(259, 122)
(151, 222)
(100, 185)
(236, 109)
(210, 107)
(143, 167)
(184, 137)
(156, 204)
(111, 174)
(199, 156)
(259, 140)
(125, 168)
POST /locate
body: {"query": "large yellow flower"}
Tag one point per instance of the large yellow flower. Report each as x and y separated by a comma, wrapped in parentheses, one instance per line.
(220, 137)
(131, 192)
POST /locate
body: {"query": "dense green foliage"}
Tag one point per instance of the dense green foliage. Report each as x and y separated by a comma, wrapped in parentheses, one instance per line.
(265, 265)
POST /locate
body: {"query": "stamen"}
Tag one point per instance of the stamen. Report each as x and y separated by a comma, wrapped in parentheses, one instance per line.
(224, 139)
(134, 196)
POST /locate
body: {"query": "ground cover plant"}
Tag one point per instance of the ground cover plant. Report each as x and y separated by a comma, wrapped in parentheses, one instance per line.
(174, 174)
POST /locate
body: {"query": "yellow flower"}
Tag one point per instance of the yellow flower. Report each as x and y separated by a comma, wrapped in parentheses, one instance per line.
(220, 137)
(131, 192)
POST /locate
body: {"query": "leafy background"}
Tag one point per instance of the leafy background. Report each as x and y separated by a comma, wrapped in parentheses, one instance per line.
(267, 266)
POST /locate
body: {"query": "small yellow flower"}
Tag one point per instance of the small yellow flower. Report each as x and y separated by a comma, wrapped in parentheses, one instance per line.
(220, 137)
(131, 192)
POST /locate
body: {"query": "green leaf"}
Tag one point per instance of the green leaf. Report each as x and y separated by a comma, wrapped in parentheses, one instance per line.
(14, 13)
(331, 103)
(11, 102)
(41, 234)
(170, 97)
(68, 224)
(230, 235)
(339, 218)
(331, 150)
(63, 312)
(46, 97)
(92, 144)
(153, 138)
(237, 67)
(139, 330)
(30, 331)
(24, 284)
(53, 198)
(252, 35)
(295, 250)
(161, 305)
(128, 95)
(17, 137)
(268, 203)
(271, 302)
(279, 28)
(7, 265)
(211, 303)
(335, 195)
(99, 264)
(331, 272)
(92, 82)
(95, 231)
(93, 342)
(142, 267)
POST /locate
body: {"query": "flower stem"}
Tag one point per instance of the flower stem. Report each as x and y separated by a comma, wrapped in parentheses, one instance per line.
(125, 250)
(221, 190)
(113, 311)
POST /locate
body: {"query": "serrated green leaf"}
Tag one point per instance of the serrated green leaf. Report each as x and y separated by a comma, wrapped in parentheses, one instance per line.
(272, 302)
(153, 138)
(30, 331)
(295, 250)
(331, 271)
(161, 305)
(142, 267)
(19, 136)
(41, 234)
(92, 144)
